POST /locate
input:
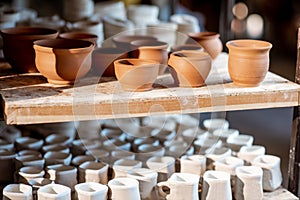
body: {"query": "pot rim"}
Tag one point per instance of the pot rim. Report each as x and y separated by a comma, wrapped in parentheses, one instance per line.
(27, 31)
(244, 44)
(129, 38)
(197, 55)
(149, 44)
(133, 61)
(204, 35)
(50, 45)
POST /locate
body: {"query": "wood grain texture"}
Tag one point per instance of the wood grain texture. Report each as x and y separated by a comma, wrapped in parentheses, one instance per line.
(29, 99)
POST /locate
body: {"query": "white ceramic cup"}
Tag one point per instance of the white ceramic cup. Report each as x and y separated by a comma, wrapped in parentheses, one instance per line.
(54, 192)
(194, 164)
(122, 166)
(216, 185)
(272, 176)
(248, 183)
(29, 172)
(63, 174)
(147, 179)
(235, 142)
(78, 160)
(249, 153)
(53, 157)
(182, 186)
(124, 188)
(164, 165)
(92, 171)
(28, 143)
(29, 160)
(91, 191)
(17, 192)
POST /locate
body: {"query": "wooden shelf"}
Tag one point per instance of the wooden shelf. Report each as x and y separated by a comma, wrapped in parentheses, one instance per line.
(29, 99)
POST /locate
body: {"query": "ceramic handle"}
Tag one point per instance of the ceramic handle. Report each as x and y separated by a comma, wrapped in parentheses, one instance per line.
(160, 186)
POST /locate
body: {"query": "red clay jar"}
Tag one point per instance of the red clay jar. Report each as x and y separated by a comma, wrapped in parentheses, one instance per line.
(136, 74)
(18, 46)
(189, 68)
(248, 61)
(103, 60)
(63, 61)
(210, 41)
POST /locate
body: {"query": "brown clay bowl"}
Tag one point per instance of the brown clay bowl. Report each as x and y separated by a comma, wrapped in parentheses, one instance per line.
(63, 61)
(189, 68)
(80, 36)
(136, 74)
(103, 60)
(18, 46)
(248, 61)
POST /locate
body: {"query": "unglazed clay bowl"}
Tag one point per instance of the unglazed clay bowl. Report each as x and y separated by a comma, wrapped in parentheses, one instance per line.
(80, 36)
(18, 46)
(123, 41)
(103, 60)
(210, 41)
(63, 61)
(136, 74)
(248, 61)
(189, 68)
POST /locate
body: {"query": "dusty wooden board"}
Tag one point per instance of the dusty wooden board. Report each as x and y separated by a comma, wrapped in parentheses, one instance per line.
(279, 194)
(29, 99)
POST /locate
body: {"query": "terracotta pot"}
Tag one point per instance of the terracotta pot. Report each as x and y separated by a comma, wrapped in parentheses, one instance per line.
(152, 50)
(248, 61)
(103, 60)
(18, 46)
(123, 41)
(80, 36)
(190, 68)
(136, 74)
(63, 61)
(210, 41)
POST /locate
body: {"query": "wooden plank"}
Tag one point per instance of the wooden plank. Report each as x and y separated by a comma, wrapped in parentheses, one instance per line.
(29, 99)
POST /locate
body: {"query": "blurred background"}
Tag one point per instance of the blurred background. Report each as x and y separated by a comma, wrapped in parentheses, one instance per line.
(276, 21)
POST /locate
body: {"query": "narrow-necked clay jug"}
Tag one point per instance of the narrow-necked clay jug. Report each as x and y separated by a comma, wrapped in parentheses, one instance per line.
(210, 41)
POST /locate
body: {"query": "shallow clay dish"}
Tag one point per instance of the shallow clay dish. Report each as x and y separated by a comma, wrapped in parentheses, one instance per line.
(189, 68)
(248, 61)
(18, 46)
(136, 74)
(63, 61)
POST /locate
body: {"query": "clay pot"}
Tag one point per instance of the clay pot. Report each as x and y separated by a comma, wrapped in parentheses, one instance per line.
(248, 61)
(80, 36)
(123, 41)
(152, 50)
(189, 68)
(63, 61)
(103, 60)
(18, 46)
(210, 41)
(136, 74)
